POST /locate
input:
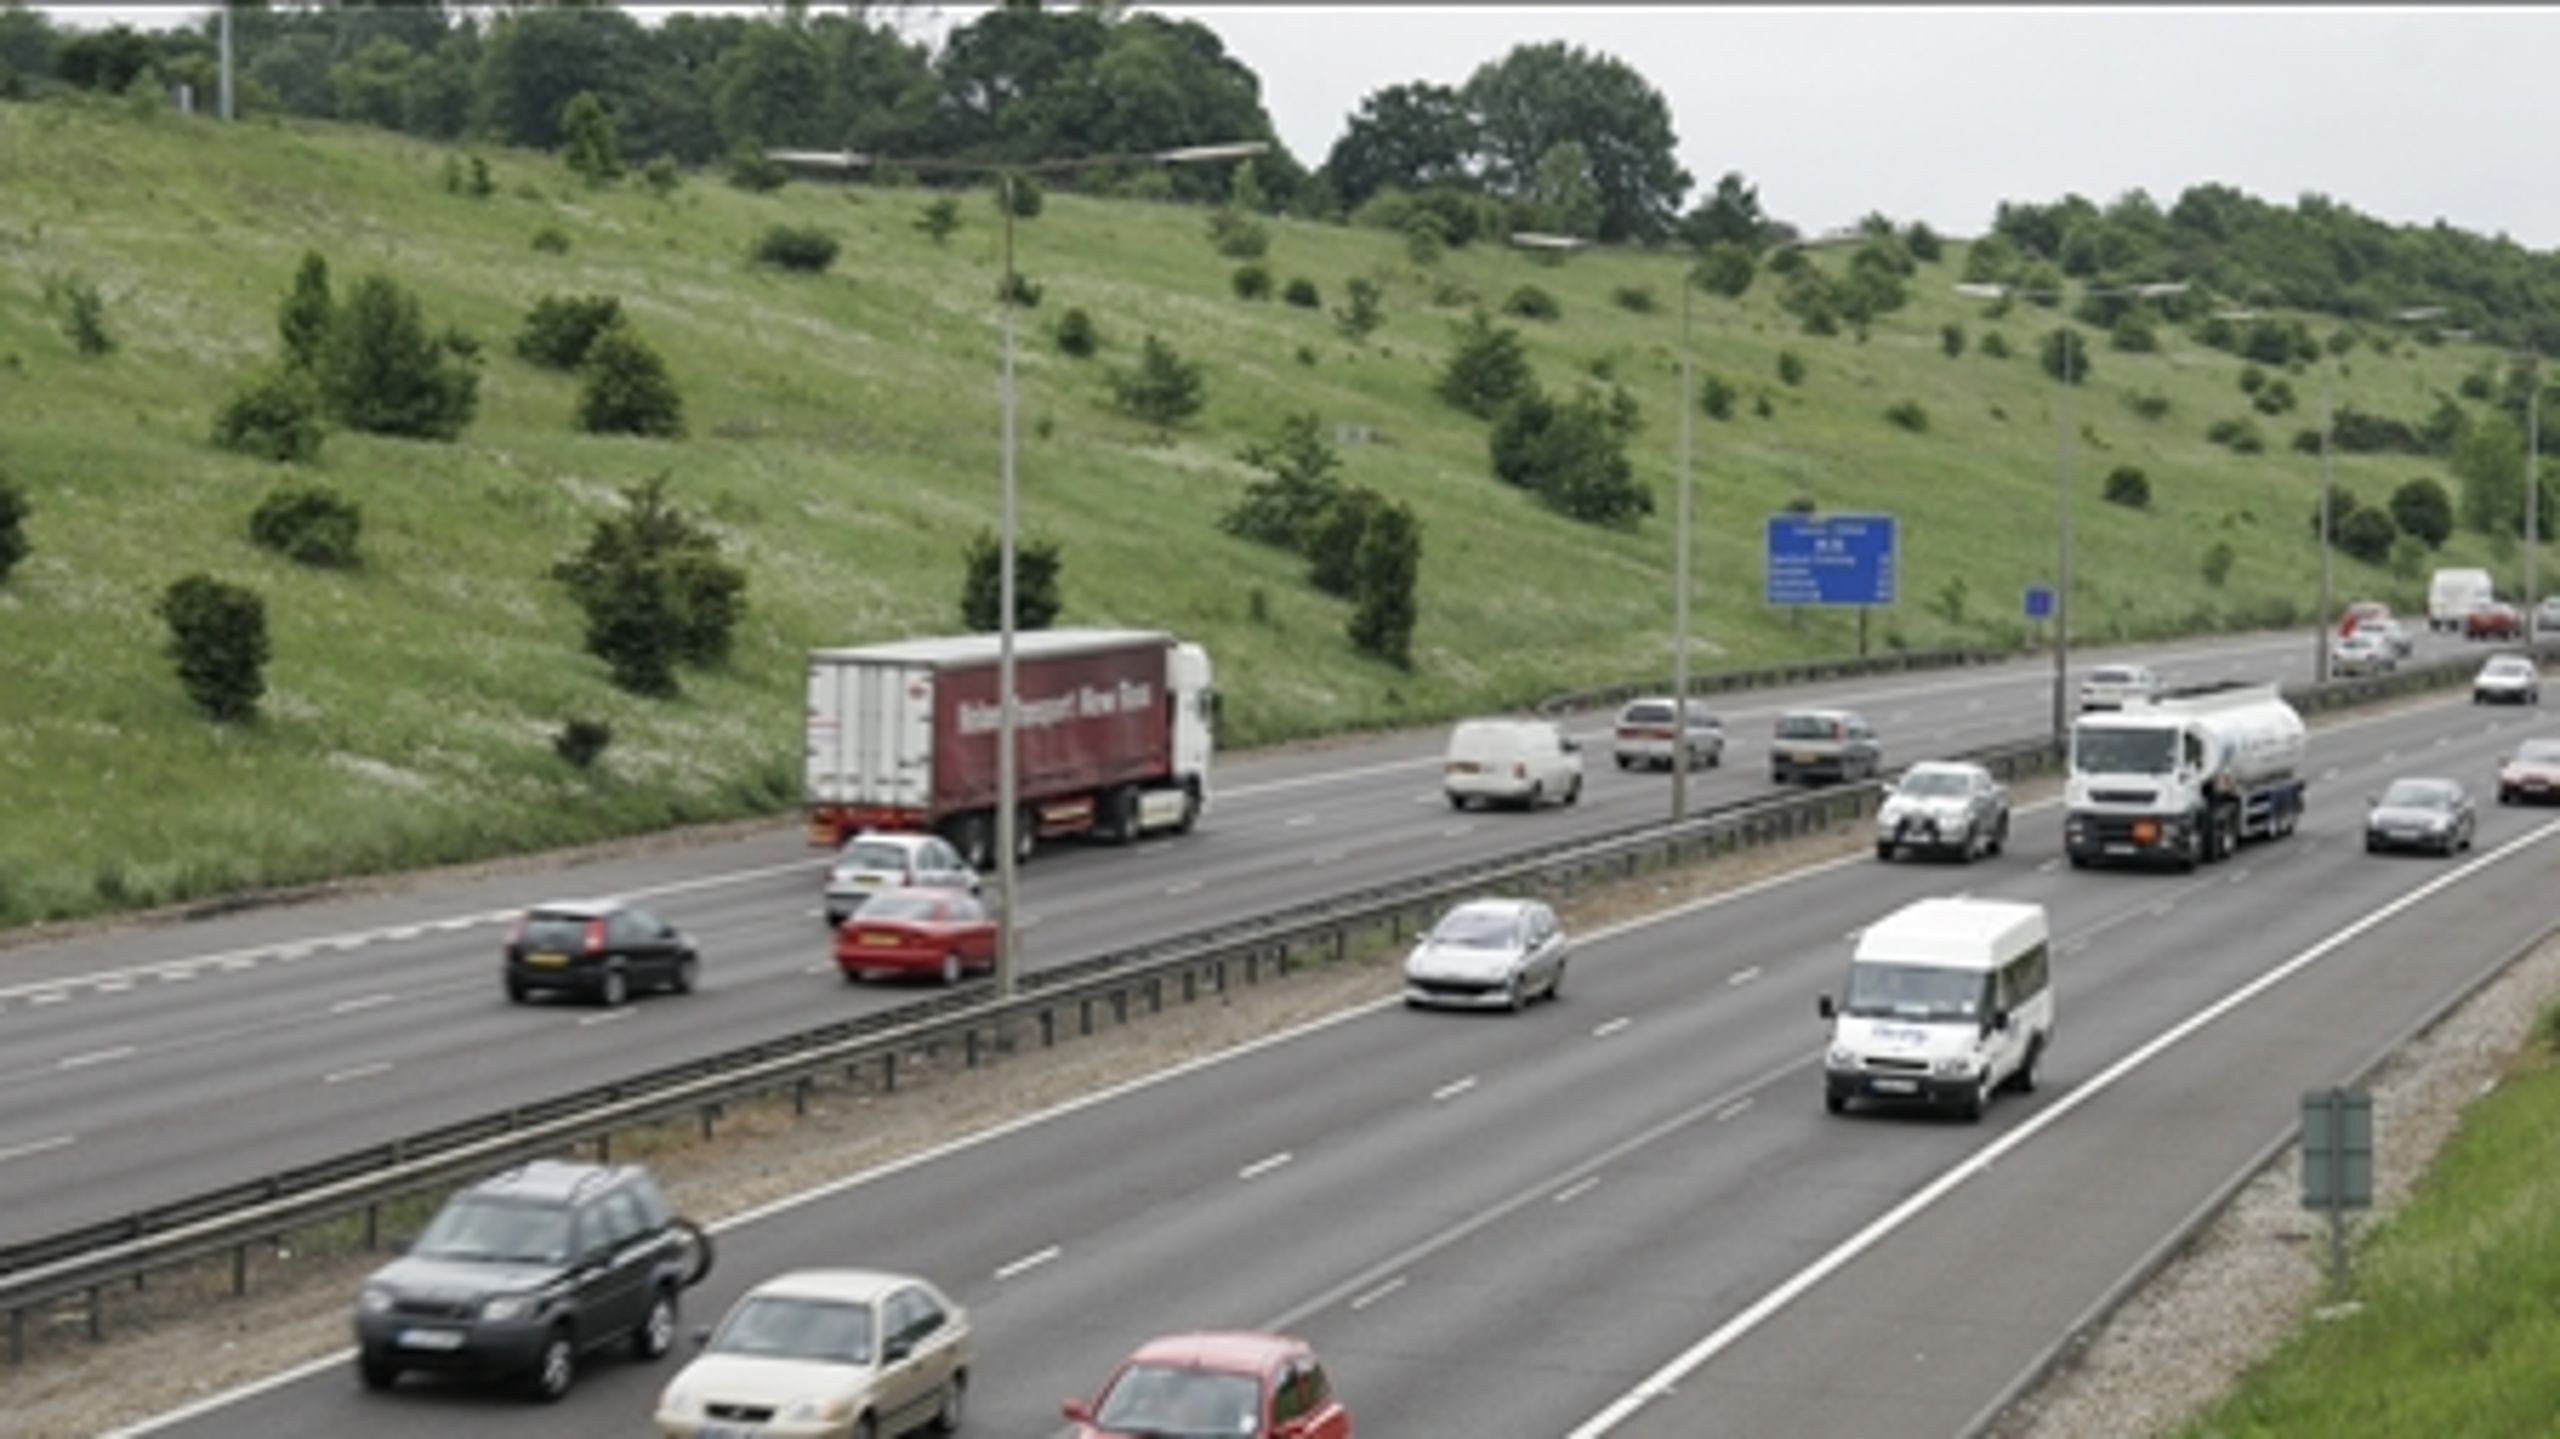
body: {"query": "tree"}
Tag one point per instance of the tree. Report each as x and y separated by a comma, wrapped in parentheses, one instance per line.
(381, 373)
(1388, 564)
(1539, 96)
(218, 637)
(2128, 486)
(1333, 543)
(308, 524)
(939, 219)
(1407, 136)
(1571, 456)
(274, 415)
(587, 142)
(303, 319)
(1486, 370)
(1562, 198)
(2488, 462)
(559, 329)
(771, 89)
(1731, 216)
(2066, 356)
(1035, 585)
(1284, 507)
(2422, 509)
(2368, 534)
(13, 527)
(624, 389)
(2217, 563)
(655, 591)
(2342, 503)
(537, 59)
(1164, 390)
(1361, 314)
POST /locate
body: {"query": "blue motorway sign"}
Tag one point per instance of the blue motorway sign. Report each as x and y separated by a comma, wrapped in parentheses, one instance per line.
(2039, 602)
(1831, 559)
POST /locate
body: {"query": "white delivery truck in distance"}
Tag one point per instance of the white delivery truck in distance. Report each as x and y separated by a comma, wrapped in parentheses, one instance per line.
(2453, 594)
(1949, 1001)
(2183, 779)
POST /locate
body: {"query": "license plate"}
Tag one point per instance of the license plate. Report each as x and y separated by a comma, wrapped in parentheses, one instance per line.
(727, 1431)
(1802, 758)
(546, 960)
(1463, 767)
(866, 881)
(873, 936)
(440, 1339)
(1894, 1086)
(2120, 849)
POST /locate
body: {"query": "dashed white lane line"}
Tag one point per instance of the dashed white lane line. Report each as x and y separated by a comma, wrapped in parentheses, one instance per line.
(237, 963)
(2330, 773)
(2442, 740)
(815, 968)
(1297, 821)
(50, 996)
(1732, 1111)
(114, 986)
(361, 1071)
(1261, 1167)
(1577, 1189)
(2242, 875)
(1430, 799)
(351, 942)
(1027, 1263)
(1188, 886)
(1325, 857)
(176, 976)
(1453, 1089)
(1381, 1292)
(95, 1056)
(1452, 831)
(2163, 907)
(362, 1001)
(460, 922)
(1742, 976)
(608, 1017)
(36, 1146)
(1613, 1026)
(2049, 866)
(405, 931)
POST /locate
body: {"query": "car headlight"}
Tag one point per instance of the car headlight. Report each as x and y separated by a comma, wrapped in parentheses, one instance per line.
(818, 1411)
(508, 1306)
(675, 1403)
(1840, 1058)
(373, 1301)
(1954, 1066)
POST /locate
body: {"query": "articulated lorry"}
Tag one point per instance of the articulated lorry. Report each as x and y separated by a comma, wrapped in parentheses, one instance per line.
(2184, 779)
(1111, 738)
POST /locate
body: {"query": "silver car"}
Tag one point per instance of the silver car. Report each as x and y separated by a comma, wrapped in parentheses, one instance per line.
(1823, 744)
(2423, 814)
(1944, 807)
(2112, 687)
(875, 860)
(1488, 954)
(1642, 735)
(2507, 679)
(2361, 653)
(2546, 615)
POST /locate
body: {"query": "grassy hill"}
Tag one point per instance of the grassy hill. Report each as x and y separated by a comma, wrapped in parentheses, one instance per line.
(844, 442)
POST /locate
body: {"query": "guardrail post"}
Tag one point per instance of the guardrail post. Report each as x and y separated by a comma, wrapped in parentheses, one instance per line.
(1190, 985)
(97, 1313)
(1048, 1028)
(710, 1117)
(800, 1097)
(1341, 944)
(1120, 1006)
(1221, 973)
(239, 1272)
(1084, 1015)
(604, 1147)
(17, 1336)
(372, 1229)
(969, 1048)
(1155, 994)
(889, 1072)
(1253, 967)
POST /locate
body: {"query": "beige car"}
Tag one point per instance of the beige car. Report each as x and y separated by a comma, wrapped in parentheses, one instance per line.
(840, 1353)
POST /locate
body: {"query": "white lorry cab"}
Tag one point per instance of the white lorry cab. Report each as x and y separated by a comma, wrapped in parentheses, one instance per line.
(2453, 594)
(1949, 1002)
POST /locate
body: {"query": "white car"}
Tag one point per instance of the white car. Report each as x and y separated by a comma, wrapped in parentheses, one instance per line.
(2507, 679)
(875, 860)
(2360, 653)
(1488, 954)
(826, 1352)
(1511, 761)
(1642, 735)
(1947, 806)
(2112, 687)
(2393, 635)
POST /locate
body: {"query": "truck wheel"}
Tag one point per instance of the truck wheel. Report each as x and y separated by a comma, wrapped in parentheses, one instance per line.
(974, 835)
(1026, 835)
(1190, 812)
(1120, 814)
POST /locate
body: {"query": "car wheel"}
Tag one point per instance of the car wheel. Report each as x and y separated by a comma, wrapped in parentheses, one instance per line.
(1537, 793)
(1573, 791)
(1834, 1103)
(975, 837)
(557, 1368)
(853, 976)
(948, 1410)
(2000, 837)
(376, 1371)
(2372, 845)
(1457, 801)
(2024, 1081)
(1715, 759)
(1884, 850)
(1515, 997)
(1978, 1100)
(951, 969)
(1555, 985)
(516, 991)
(1026, 836)
(617, 988)
(657, 1332)
(866, 1427)
(688, 969)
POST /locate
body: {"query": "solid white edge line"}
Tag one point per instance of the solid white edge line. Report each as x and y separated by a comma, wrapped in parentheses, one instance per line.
(1097, 1098)
(361, 1071)
(94, 1057)
(1603, 1031)
(36, 1146)
(1261, 1167)
(1454, 1088)
(1577, 1189)
(1381, 1292)
(1689, 1361)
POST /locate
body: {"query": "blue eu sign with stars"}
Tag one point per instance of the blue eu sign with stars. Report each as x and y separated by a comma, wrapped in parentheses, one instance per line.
(1831, 559)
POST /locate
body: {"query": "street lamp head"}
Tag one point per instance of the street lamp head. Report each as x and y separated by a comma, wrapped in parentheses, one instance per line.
(821, 159)
(1533, 240)
(1204, 154)
(2416, 313)
(1981, 290)
(2159, 288)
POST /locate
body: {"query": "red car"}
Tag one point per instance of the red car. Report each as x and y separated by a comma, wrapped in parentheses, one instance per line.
(944, 933)
(2534, 773)
(2361, 611)
(2496, 620)
(1251, 1386)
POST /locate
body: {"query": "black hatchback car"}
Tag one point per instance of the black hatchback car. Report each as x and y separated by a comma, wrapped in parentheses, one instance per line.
(600, 949)
(522, 1274)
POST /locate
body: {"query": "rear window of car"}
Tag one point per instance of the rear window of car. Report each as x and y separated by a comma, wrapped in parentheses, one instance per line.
(873, 854)
(555, 931)
(1645, 714)
(2111, 677)
(1807, 727)
(2540, 751)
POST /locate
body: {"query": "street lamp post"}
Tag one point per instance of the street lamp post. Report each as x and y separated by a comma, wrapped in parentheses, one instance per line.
(1008, 815)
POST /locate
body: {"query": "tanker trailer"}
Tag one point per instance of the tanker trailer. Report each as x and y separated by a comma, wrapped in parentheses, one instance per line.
(2184, 779)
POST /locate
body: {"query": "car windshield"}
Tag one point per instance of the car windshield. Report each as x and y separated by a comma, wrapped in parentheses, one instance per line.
(1178, 1403)
(2508, 668)
(872, 854)
(1477, 929)
(779, 1327)
(496, 1231)
(1936, 782)
(2101, 750)
(1807, 727)
(905, 904)
(1914, 991)
(2539, 751)
(2111, 677)
(2418, 794)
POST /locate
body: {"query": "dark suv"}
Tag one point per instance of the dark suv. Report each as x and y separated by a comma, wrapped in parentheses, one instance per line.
(599, 949)
(524, 1272)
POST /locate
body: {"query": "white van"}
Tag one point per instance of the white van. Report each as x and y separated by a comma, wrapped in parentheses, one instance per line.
(1949, 1002)
(1511, 761)
(2452, 594)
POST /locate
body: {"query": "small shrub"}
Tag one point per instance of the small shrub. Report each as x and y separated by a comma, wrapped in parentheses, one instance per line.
(1024, 197)
(559, 328)
(1716, 396)
(1909, 415)
(2274, 398)
(1238, 237)
(654, 590)
(84, 318)
(1252, 282)
(2475, 386)
(1361, 315)
(939, 219)
(2239, 436)
(2217, 563)
(582, 742)
(218, 637)
(1487, 368)
(2132, 333)
(752, 170)
(309, 525)
(1448, 292)
(550, 241)
(1076, 335)
(306, 313)
(2423, 509)
(2252, 379)
(1164, 390)
(13, 527)
(1951, 340)
(1529, 302)
(588, 145)
(1760, 405)
(797, 247)
(1307, 355)
(662, 175)
(381, 372)
(2065, 356)
(1302, 293)
(479, 186)
(1790, 367)
(1036, 600)
(274, 415)
(2368, 534)
(1018, 289)
(1995, 346)
(2128, 486)
(1635, 299)
(624, 389)
(2149, 404)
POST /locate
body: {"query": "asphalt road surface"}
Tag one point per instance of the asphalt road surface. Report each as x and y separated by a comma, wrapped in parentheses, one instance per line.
(1506, 1225)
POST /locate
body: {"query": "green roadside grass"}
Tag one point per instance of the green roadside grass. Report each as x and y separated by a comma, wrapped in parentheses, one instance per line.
(2458, 1295)
(844, 444)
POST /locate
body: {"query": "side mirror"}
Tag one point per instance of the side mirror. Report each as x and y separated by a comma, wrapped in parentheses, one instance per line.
(702, 1337)
(2371, 800)
(898, 1347)
(1823, 1008)
(1997, 1022)
(1890, 787)
(400, 1245)
(1572, 745)
(1077, 1409)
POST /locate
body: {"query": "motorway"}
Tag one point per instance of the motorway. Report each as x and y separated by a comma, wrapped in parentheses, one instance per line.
(154, 1063)
(1507, 1226)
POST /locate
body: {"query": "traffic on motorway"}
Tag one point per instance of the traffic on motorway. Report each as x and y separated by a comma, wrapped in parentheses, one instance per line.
(1948, 1000)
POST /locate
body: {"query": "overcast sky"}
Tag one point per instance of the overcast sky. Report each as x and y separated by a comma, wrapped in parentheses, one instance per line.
(1939, 114)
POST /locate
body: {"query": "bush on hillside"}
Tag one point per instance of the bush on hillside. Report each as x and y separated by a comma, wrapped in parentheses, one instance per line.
(624, 389)
(2273, 398)
(1716, 396)
(2239, 436)
(1237, 236)
(1361, 314)
(1164, 390)
(1298, 486)
(1387, 565)
(805, 248)
(2342, 503)
(2217, 562)
(1790, 367)
(1252, 282)
(940, 218)
(1487, 368)
(582, 742)
(1995, 346)
(2252, 379)
(2368, 534)
(2133, 334)
(2424, 509)
(654, 590)
(1909, 415)
(13, 527)
(1333, 540)
(1302, 293)
(662, 175)
(1023, 194)
(1635, 299)
(559, 328)
(588, 143)
(1076, 335)
(304, 316)
(1018, 290)
(84, 316)
(309, 525)
(382, 374)
(1036, 600)
(2128, 486)
(273, 415)
(218, 639)
(752, 170)
(1951, 340)
(1727, 269)
(2149, 404)
(550, 241)
(1571, 456)
(1529, 302)
(2065, 356)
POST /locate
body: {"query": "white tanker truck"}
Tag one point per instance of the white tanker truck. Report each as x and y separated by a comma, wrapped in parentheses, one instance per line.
(2184, 779)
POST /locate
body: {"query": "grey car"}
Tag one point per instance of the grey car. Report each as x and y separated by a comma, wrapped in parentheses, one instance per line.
(2421, 814)
(1824, 744)
(1943, 807)
(1488, 954)
(1642, 735)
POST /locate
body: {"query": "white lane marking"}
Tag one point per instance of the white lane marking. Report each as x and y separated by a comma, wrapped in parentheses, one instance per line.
(2442, 740)
(1261, 1167)
(1577, 1189)
(366, 1001)
(241, 962)
(458, 922)
(1734, 1110)
(1603, 1031)
(2330, 773)
(405, 931)
(1027, 1263)
(1742, 976)
(1325, 856)
(361, 1071)
(177, 976)
(1027, 922)
(1452, 831)
(95, 1056)
(608, 1017)
(1663, 1380)
(115, 986)
(1453, 1088)
(2049, 866)
(2389, 755)
(2074, 946)
(49, 996)
(2242, 875)
(1296, 820)
(2163, 907)
(36, 1146)
(347, 942)
(293, 952)
(1897, 717)
(1428, 798)
(1971, 705)
(1188, 886)
(815, 968)
(1381, 1292)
